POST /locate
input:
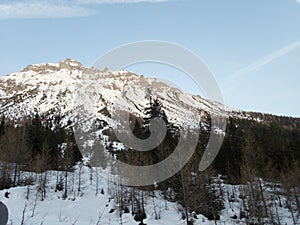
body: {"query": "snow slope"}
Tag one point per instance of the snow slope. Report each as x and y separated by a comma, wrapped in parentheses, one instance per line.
(87, 208)
(45, 88)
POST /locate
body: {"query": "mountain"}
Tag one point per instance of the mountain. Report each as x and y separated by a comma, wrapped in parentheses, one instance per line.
(52, 87)
(55, 115)
(62, 89)
(53, 90)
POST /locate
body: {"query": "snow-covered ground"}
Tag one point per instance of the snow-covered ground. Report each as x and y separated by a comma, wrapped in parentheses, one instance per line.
(85, 207)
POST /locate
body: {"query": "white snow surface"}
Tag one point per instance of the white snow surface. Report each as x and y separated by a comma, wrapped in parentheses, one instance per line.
(85, 207)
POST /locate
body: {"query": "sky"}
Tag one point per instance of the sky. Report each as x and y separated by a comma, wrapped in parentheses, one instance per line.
(252, 47)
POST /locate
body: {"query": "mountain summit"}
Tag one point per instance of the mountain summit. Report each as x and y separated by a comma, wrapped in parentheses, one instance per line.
(52, 87)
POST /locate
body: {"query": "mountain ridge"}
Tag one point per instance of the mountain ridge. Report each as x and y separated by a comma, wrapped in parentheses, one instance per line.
(51, 86)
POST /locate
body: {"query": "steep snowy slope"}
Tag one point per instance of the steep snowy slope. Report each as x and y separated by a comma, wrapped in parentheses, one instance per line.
(47, 88)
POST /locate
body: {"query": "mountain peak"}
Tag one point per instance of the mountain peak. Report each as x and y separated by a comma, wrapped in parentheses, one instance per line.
(68, 63)
(71, 64)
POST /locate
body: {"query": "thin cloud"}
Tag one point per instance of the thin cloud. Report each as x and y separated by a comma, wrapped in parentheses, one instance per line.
(298, 1)
(266, 60)
(56, 9)
(117, 1)
(262, 62)
(41, 9)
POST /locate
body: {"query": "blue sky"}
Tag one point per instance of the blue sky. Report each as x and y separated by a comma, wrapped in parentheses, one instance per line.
(253, 47)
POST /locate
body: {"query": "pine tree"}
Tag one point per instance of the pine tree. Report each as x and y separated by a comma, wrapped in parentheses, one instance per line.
(2, 125)
(155, 110)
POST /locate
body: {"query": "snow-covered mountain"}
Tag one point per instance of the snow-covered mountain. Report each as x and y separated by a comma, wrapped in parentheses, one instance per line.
(53, 88)
(62, 88)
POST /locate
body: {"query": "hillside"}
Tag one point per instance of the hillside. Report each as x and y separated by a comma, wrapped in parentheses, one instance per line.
(65, 143)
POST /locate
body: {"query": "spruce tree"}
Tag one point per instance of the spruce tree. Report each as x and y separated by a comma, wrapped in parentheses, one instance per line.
(155, 110)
